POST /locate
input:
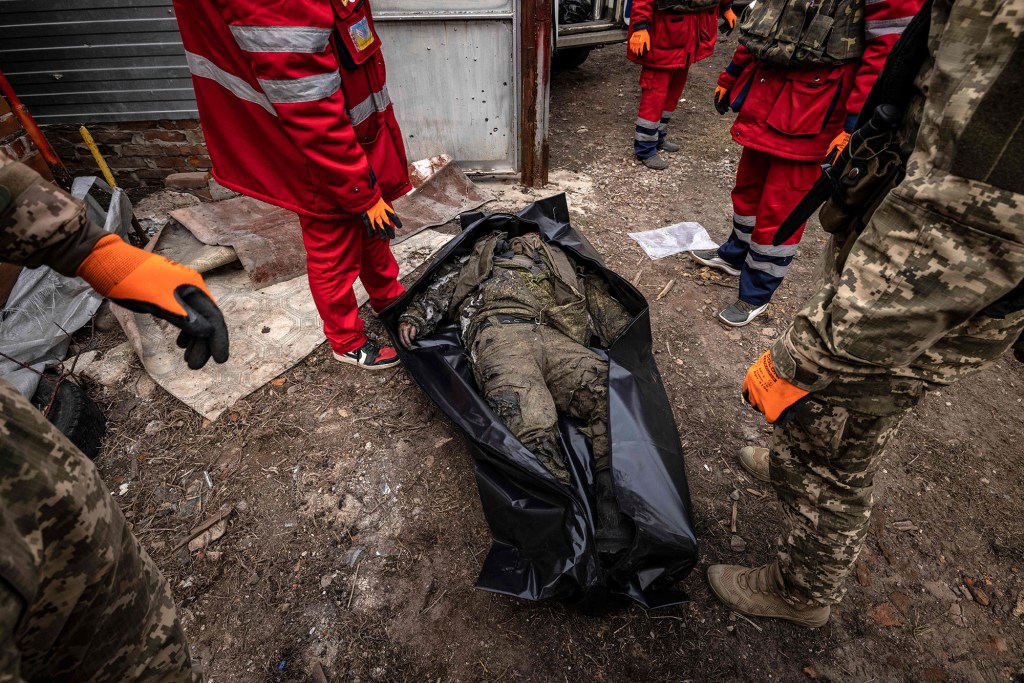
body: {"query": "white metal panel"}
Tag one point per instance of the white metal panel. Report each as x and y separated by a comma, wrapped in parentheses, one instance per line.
(383, 8)
(453, 84)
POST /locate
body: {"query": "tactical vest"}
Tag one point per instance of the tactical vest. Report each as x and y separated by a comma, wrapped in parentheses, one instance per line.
(804, 32)
(685, 6)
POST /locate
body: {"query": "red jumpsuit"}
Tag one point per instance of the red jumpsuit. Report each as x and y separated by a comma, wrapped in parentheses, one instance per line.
(678, 40)
(786, 120)
(295, 111)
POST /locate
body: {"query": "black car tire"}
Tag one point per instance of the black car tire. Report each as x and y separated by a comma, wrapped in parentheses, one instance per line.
(75, 414)
(570, 58)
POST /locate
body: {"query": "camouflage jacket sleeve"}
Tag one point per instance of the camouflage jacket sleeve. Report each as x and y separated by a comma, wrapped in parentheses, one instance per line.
(11, 609)
(430, 307)
(40, 224)
(609, 316)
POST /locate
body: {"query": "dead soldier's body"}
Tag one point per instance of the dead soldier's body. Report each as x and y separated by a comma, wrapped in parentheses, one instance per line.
(526, 314)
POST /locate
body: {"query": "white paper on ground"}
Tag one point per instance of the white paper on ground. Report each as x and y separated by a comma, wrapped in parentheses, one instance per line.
(674, 239)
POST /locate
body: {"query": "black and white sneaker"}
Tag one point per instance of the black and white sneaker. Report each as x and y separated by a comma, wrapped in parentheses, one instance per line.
(370, 356)
(741, 313)
(711, 259)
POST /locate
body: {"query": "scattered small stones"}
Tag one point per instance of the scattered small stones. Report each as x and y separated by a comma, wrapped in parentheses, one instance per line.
(737, 544)
(735, 495)
(1018, 610)
(145, 387)
(940, 591)
(956, 614)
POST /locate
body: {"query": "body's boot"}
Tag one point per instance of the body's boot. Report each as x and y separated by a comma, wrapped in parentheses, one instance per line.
(760, 592)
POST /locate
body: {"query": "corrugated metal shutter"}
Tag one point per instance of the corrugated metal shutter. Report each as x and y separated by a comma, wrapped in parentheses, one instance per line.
(81, 61)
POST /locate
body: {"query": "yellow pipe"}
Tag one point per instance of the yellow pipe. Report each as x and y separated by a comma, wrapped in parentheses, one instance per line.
(100, 161)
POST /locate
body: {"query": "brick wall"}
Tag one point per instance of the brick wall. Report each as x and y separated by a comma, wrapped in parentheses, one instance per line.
(140, 153)
(17, 144)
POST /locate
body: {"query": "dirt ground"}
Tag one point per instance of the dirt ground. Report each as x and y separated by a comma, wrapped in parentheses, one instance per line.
(356, 533)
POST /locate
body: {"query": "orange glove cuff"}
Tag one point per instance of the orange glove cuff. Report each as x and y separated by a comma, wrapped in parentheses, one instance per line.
(838, 144)
(118, 270)
(767, 392)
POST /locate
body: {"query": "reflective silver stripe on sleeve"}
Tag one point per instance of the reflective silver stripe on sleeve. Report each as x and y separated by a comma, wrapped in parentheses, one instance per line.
(377, 102)
(203, 68)
(281, 38)
(305, 89)
(885, 27)
(774, 251)
(773, 269)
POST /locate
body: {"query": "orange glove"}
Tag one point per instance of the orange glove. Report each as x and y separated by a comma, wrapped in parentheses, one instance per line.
(381, 221)
(730, 20)
(640, 42)
(837, 146)
(721, 99)
(147, 283)
(768, 393)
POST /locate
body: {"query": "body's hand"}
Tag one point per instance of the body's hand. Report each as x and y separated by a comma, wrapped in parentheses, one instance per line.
(729, 20)
(768, 393)
(381, 221)
(640, 42)
(836, 147)
(406, 334)
(147, 283)
(721, 99)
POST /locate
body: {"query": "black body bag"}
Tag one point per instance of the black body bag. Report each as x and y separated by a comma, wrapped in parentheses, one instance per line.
(543, 532)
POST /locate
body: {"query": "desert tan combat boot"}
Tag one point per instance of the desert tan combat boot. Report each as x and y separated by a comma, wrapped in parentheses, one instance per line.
(758, 593)
(754, 460)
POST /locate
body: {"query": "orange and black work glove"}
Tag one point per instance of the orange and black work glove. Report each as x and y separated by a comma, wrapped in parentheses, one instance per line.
(381, 221)
(769, 393)
(836, 147)
(721, 99)
(640, 42)
(148, 283)
(728, 21)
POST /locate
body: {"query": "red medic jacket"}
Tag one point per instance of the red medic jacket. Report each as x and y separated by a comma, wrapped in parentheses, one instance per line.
(795, 113)
(293, 102)
(678, 39)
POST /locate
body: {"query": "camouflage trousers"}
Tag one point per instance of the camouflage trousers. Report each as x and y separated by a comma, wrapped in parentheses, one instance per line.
(80, 600)
(887, 314)
(530, 373)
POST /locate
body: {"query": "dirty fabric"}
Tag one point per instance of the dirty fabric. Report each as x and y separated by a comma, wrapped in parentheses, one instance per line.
(529, 371)
(909, 310)
(79, 597)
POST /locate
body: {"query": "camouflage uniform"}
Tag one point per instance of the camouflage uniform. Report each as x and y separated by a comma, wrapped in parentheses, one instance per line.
(526, 317)
(80, 600)
(909, 308)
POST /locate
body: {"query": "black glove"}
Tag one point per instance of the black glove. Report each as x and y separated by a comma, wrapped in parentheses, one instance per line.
(721, 100)
(381, 221)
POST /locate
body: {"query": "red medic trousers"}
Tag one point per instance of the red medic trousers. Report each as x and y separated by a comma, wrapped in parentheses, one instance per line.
(337, 251)
(767, 189)
(660, 90)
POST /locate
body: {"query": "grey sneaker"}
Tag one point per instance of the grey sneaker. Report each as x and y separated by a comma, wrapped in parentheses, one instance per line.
(669, 146)
(711, 259)
(655, 163)
(741, 313)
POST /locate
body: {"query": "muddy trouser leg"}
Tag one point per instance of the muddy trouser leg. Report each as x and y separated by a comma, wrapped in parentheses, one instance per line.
(79, 597)
(578, 380)
(882, 325)
(507, 370)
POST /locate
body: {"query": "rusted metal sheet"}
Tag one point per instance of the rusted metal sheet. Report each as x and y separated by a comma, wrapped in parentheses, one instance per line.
(268, 239)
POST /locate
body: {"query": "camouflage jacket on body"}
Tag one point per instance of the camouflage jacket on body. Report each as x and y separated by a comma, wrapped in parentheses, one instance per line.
(947, 243)
(40, 223)
(804, 32)
(509, 277)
